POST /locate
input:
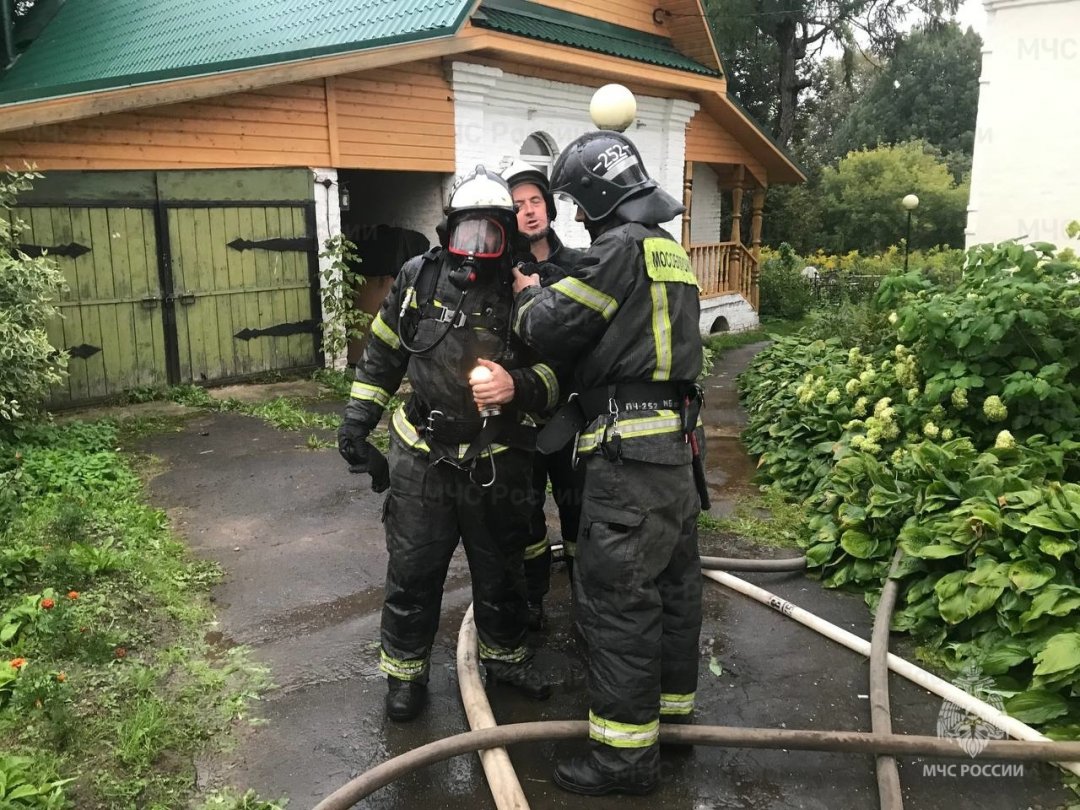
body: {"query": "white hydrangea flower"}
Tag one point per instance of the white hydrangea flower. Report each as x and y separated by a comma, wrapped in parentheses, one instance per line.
(994, 409)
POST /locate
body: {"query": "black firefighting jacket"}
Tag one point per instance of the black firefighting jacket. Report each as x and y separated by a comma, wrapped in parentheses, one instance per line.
(478, 326)
(627, 312)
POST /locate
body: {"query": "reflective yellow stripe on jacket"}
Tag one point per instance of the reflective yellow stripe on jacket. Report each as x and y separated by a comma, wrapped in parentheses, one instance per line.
(663, 422)
(550, 381)
(577, 290)
(406, 431)
(383, 332)
(370, 393)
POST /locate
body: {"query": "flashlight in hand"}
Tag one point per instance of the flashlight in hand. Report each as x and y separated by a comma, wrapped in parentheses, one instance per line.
(483, 374)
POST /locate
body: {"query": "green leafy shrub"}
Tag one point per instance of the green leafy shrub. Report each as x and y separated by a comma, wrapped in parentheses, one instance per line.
(341, 283)
(860, 199)
(29, 289)
(784, 292)
(953, 433)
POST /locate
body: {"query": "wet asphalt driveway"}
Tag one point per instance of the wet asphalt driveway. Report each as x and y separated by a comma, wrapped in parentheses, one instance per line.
(303, 551)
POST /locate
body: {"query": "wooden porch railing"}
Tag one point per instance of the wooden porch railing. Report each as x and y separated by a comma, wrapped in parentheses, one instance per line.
(725, 267)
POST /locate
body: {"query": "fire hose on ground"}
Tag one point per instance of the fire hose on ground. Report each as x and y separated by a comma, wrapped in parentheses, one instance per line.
(1029, 746)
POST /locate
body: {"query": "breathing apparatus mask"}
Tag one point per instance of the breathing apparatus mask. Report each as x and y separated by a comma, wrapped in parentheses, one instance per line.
(480, 225)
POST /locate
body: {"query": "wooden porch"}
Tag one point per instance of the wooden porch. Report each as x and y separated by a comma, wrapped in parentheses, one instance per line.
(724, 268)
(731, 267)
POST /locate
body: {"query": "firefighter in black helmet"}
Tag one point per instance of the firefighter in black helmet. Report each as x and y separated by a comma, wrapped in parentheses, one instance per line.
(535, 208)
(626, 317)
(454, 471)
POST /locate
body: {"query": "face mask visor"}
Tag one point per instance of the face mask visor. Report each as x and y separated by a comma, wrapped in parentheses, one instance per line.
(477, 236)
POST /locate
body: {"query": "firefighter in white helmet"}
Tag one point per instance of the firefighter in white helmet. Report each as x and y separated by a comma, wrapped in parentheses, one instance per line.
(455, 472)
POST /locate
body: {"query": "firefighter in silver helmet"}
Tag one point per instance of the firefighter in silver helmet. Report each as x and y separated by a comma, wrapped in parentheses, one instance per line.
(626, 317)
(455, 472)
(535, 208)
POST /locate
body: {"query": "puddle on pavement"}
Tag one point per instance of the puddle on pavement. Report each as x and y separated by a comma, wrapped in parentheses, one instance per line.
(728, 471)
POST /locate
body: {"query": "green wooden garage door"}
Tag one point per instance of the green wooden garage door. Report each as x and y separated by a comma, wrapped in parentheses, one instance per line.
(177, 277)
(110, 316)
(242, 282)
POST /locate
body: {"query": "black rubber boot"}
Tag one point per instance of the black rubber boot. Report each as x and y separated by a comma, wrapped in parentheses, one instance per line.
(404, 699)
(588, 776)
(524, 677)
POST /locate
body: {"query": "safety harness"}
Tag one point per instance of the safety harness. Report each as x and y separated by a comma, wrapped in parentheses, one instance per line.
(439, 431)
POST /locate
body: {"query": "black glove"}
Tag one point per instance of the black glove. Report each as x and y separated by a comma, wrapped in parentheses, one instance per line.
(362, 455)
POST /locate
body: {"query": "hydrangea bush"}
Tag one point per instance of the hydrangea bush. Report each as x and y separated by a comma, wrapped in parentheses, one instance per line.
(953, 435)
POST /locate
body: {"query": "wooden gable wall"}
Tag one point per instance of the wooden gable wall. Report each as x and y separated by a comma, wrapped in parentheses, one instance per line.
(637, 14)
(708, 142)
(400, 117)
(681, 21)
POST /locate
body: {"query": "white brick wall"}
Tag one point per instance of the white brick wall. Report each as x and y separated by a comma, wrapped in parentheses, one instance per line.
(705, 206)
(496, 111)
(1026, 169)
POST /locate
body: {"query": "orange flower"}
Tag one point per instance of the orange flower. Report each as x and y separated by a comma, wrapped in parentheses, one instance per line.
(17, 663)
(121, 652)
(47, 604)
(60, 676)
(73, 594)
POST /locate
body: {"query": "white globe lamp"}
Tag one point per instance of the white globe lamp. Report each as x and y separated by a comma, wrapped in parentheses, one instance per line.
(910, 203)
(614, 107)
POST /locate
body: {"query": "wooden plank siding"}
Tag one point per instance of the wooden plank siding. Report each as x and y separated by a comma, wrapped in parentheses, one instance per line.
(636, 14)
(708, 142)
(389, 118)
(684, 24)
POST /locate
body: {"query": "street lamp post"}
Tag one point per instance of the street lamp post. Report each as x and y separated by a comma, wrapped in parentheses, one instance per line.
(910, 203)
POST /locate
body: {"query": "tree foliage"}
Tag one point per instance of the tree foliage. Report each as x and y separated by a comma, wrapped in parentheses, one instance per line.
(860, 199)
(29, 288)
(928, 90)
(784, 33)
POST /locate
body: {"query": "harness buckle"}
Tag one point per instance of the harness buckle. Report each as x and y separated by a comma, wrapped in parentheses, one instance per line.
(430, 419)
(454, 317)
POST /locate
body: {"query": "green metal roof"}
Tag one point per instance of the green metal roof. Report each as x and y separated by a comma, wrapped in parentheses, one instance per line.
(577, 31)
(105, 44)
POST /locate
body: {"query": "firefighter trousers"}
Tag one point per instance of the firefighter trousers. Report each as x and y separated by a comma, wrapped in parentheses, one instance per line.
(638, 586)
(430, 508)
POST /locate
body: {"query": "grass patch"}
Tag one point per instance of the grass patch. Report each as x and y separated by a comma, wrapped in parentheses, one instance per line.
(108, 689)
(767, 519)
(725, 341)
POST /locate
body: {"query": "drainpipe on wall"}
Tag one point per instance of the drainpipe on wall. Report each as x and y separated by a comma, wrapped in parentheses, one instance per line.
(7, 23)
